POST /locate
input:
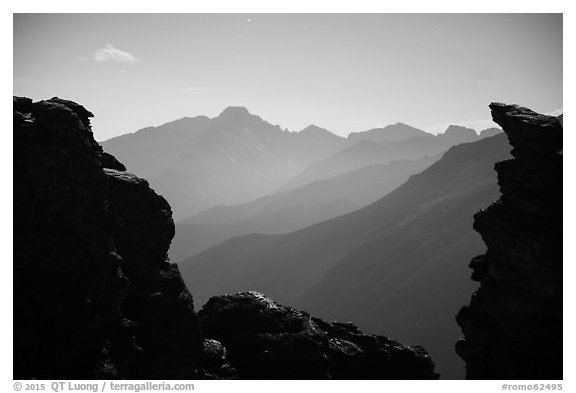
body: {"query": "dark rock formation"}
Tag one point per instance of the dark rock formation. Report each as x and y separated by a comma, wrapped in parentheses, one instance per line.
(160, 303)
(94, 293)
(268, 341)
(513, 325)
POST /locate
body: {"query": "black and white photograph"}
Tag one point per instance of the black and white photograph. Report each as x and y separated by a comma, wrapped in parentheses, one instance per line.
(287, 196)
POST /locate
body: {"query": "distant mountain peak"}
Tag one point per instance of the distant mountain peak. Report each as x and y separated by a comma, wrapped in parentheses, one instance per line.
(454, 130)
(390, 133)
(312, 128)
(235, 112)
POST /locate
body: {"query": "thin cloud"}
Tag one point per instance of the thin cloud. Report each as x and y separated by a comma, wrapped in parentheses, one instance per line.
(110, 54)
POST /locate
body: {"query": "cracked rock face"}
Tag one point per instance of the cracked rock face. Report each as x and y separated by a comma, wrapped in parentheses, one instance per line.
(266, 340)
(513, 324)
(94, 293)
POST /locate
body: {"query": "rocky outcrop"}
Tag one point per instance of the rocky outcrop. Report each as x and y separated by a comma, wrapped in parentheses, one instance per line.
(94, 293)
(513, 324)
(268, 341)
(159, 302)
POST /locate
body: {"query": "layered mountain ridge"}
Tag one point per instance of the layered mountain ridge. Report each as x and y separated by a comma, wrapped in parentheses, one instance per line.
(237, 157)
(381, 146)
(295, 209)
(361, 265)
(233, 158)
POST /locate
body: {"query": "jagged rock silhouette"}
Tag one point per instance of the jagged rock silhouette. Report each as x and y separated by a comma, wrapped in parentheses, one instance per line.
(513, 324)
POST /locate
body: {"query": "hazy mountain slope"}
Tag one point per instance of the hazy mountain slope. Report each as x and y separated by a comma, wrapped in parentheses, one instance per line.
(197, 163)
(292, 210)
(370, 151)
(193, 239)
(401, 256)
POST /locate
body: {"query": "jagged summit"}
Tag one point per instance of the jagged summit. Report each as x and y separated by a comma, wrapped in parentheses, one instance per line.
(454, 130)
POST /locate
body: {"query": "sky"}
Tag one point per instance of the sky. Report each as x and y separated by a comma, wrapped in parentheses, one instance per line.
(342, 72)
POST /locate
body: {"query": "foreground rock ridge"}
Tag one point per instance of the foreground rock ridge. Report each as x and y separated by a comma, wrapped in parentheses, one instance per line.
(95, 295)
(268, 341)
(513, 324)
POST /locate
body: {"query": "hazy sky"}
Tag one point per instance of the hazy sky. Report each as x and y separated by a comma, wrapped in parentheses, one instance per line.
(343, 72)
